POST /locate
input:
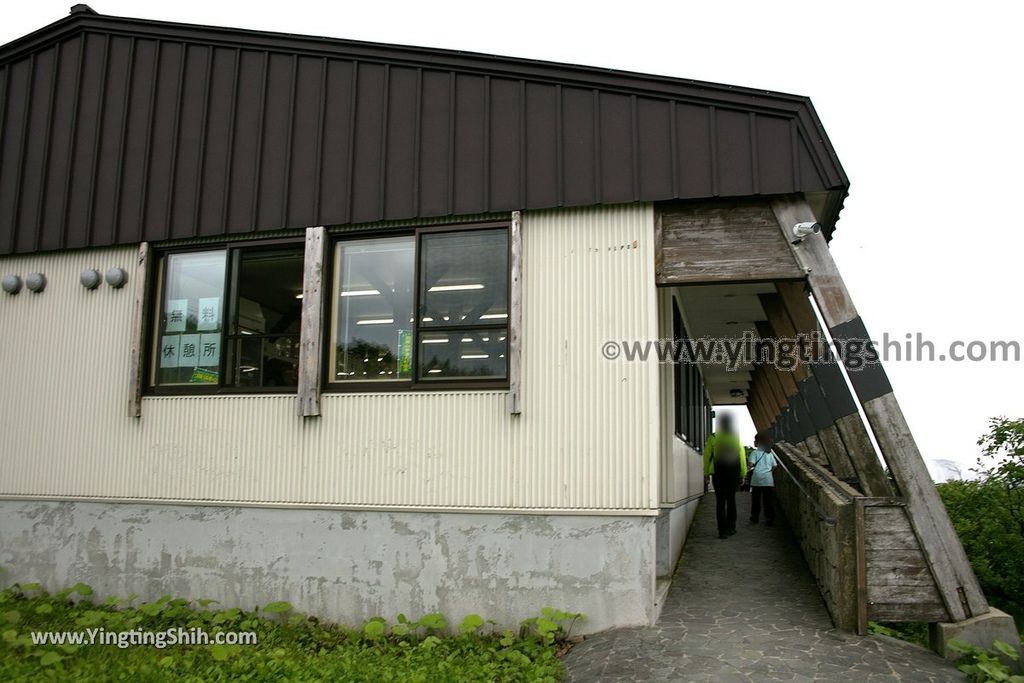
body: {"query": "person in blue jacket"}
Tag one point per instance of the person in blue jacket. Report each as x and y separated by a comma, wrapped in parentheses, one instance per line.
(762, 463)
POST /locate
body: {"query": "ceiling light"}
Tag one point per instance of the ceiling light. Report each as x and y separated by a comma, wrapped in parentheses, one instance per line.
(376, 321)
(436, 340)
(494, 316)
(474, 356)
(298, 296)
(360, 292)
(454, 288)
(434, 371)
(467, 339)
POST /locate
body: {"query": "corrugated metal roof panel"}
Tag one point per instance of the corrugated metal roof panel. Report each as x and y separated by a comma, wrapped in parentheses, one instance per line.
(114, 131)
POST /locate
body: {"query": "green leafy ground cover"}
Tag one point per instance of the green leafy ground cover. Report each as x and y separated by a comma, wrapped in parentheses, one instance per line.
(291, 647)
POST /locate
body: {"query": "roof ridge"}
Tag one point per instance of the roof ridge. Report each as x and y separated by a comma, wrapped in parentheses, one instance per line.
(85, 16)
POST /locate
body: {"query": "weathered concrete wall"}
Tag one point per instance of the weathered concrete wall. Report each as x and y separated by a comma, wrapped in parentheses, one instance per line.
(980, 631)
(828, 544)
(341, 565)
(673, 527)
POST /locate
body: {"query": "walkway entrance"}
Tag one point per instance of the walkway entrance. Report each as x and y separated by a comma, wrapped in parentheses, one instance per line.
(747, 609)
(753, 275)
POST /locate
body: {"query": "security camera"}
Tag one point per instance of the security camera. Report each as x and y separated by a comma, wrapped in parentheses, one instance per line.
(802, 230)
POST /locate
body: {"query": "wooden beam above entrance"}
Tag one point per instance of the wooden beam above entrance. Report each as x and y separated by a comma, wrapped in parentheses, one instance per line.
(725, 241)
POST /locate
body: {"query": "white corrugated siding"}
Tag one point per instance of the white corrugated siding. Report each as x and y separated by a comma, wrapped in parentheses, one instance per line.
(587, 438)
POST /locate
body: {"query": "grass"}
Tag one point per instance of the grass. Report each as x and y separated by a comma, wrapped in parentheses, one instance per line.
(291, 646)
(915, 632)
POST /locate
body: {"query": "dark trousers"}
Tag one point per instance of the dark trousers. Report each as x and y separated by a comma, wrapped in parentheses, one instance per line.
(726, 482)
(762, 495)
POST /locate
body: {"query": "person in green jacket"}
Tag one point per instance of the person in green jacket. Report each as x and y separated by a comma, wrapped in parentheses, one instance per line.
(725, 462)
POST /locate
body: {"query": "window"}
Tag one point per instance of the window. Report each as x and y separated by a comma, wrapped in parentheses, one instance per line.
(423, 309)
(692, 409)
(373, 299)
(229, 319)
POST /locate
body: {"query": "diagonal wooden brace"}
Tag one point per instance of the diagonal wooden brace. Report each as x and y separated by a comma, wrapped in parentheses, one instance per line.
(954, 577)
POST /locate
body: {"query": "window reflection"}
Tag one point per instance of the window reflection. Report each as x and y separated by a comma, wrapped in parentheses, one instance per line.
(266, 320)
(190, 324)
(373, 302)
(463, 305)
(478, 354)
(465, 279)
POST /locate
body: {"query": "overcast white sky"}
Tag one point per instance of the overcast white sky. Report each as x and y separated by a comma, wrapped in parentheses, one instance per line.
(921, 100)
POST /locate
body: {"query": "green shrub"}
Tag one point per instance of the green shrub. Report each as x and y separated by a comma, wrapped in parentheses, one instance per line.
(988, 514)
(291, 646)
(986, 666)
(915, 632)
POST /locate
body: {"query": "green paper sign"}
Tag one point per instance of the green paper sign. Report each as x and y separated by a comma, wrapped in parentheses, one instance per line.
(405, 353)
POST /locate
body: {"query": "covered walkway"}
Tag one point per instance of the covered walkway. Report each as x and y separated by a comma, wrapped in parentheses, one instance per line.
(747, 609)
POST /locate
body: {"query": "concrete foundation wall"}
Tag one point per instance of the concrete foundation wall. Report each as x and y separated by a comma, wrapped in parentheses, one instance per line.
(344, 566)
(673, 527)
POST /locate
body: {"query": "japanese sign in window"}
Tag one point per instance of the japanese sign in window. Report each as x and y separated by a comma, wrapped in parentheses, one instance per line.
(230, 318)
(189, 328)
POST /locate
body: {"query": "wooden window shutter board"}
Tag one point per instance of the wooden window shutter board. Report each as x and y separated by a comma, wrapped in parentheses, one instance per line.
(310, 356)
(515, 315)
(140, 317)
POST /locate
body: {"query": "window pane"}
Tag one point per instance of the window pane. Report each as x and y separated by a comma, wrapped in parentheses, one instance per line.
(264, 361)
(373, 299)
(478, 354)
(269, 296)
(266, 318)
(190, 324)
(465, 278)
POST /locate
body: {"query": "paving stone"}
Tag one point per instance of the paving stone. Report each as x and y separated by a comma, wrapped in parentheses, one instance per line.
(746, 609)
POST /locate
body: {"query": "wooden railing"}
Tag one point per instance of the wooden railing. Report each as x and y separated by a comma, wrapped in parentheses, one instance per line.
(862, 550)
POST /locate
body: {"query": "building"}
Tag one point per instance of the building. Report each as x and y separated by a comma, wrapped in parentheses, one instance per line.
(325, 321)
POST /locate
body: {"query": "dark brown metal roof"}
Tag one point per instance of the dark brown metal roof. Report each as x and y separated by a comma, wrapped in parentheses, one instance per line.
(115, 130)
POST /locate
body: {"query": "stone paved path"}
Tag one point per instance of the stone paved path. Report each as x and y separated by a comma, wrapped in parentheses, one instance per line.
(746, 609)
